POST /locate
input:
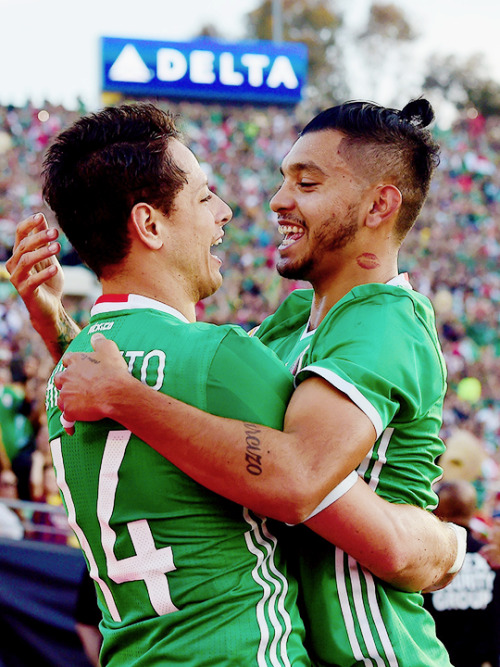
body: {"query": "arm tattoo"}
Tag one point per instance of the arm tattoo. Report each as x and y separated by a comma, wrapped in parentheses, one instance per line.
(67, 330)
(253, 449)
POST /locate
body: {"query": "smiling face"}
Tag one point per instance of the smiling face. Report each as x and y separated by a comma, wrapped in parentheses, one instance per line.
(318, 207)
(195, 224)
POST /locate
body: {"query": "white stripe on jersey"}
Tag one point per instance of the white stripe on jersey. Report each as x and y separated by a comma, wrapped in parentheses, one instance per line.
(57, 457)
(353, 392)
(359, 605)
(282, 597)
(360, 602)
(377, 617)
(381, 457)
(365, 463)
(345, 605)
(261, 575)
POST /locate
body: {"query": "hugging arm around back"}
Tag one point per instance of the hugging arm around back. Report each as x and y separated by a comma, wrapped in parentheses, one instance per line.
(403, 545)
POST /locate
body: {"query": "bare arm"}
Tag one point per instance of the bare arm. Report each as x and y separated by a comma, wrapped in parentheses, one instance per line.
(38, 277)
(91, 640)
(403, 545)
(280, 474)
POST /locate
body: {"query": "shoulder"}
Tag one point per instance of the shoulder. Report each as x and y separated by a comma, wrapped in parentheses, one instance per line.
(383, 306)
(381, 323)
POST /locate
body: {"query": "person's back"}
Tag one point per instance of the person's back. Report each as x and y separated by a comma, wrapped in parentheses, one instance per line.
(183, 575)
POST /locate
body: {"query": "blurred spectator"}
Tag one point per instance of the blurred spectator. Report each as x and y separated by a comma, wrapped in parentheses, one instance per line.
(87, 618)
(467, 611)
(16, 432)
(53, 527)
(10, 523)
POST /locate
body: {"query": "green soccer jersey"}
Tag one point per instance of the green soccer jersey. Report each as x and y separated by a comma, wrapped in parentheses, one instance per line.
(379, 346)
(183, 576)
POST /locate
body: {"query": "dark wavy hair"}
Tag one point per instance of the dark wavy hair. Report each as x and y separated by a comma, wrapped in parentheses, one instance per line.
(387, 144)
(100, 167)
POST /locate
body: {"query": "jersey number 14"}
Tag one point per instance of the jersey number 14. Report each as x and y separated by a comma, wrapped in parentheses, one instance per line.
(149, 564)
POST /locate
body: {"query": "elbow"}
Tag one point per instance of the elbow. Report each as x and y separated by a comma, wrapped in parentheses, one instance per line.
(296, 505)
(399, 566)
(395, 567)
(396, 563)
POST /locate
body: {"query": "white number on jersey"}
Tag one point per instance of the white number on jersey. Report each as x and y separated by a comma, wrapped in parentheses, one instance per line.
(149, 563)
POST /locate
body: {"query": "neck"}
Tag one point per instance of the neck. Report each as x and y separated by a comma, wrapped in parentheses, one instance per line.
(166, 292)
(362, 270)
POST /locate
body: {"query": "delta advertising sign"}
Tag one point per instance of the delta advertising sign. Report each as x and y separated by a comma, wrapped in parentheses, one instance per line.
(256, 72)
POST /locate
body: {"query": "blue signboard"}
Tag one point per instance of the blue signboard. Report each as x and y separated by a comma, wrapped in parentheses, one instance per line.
(259, 72)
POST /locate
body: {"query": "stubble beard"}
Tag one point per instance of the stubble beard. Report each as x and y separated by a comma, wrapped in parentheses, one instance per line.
(329, 237)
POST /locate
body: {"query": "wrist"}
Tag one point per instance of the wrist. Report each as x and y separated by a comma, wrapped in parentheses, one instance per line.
(121, 397)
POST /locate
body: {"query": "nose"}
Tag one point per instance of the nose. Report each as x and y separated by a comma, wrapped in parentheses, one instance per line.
(282, 200)
(224, 212)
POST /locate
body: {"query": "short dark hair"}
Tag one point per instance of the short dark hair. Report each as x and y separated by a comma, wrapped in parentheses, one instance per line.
(100, 167)
(389, 144)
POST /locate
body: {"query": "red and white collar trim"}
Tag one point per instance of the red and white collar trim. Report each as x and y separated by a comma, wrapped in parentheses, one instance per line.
(108, 303)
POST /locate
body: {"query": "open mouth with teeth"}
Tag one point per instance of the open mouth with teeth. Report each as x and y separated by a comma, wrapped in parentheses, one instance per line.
(291, 234)
(216, 243)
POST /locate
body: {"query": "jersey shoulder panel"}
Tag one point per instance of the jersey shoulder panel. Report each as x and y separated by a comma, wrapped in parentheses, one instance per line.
(291, 315)
(379, 334)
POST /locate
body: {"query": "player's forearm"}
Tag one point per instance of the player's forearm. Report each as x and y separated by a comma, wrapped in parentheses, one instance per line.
(247, 463)
(57, 331)
(405, 546)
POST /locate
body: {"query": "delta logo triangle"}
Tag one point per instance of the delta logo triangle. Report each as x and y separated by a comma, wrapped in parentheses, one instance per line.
(129, 66)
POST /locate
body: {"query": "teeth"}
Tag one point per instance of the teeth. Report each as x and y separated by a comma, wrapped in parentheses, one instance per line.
(218, 242)
(289, 229)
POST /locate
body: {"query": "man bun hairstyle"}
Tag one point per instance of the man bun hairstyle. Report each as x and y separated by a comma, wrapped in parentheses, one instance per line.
(387, 145)
(418, 112)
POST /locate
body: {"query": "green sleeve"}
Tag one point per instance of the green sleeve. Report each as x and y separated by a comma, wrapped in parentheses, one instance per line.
(384, 353)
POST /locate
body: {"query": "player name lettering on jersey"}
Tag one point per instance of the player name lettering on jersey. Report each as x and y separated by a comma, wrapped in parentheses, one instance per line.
(100, 326)
(148, 366)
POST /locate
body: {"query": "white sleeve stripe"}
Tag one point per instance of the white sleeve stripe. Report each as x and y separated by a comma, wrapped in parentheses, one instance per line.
(336, 493)
(352, 392)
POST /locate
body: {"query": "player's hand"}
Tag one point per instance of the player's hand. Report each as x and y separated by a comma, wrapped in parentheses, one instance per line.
(91, 382)
(35, 272)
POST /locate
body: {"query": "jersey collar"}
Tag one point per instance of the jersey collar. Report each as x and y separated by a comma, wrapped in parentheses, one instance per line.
(401, 280)
(108, 303)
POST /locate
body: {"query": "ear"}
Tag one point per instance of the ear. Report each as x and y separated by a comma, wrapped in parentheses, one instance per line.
(145, 222)
(385, 204)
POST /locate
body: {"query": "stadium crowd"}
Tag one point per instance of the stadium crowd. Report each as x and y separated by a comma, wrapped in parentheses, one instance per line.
(452, 256)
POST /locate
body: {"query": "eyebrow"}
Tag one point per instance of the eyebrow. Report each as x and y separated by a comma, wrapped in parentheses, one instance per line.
(202, 183)
(297, 167)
